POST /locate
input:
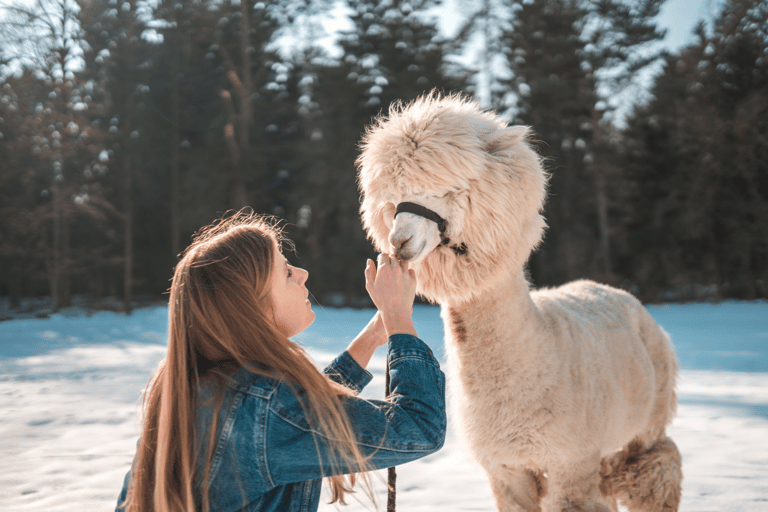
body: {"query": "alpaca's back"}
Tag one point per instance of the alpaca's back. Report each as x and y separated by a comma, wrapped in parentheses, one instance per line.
(580, 297)
(602, 315)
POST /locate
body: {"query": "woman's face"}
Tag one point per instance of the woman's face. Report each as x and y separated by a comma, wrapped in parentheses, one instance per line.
(291, 307)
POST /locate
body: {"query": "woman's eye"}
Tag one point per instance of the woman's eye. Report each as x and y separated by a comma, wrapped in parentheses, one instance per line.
(290, 272)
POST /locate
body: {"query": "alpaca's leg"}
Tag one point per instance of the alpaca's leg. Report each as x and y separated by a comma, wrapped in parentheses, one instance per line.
(645, 479)
(575, 487)
(517, 489)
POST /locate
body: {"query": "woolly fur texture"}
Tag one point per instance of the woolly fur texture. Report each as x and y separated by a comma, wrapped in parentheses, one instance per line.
(563, 395)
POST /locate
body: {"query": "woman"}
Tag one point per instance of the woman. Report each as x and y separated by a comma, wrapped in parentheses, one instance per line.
(237, 417)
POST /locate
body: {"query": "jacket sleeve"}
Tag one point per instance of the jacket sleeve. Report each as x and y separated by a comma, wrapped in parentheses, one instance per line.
(345, 370)
(410, 426)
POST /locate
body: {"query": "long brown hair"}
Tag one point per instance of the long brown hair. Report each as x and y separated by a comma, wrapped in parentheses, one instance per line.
(219, 317)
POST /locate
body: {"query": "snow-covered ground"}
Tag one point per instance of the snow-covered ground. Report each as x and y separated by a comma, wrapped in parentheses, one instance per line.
(70, 384)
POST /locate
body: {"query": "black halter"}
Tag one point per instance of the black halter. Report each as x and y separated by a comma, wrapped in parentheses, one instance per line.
(442, 224)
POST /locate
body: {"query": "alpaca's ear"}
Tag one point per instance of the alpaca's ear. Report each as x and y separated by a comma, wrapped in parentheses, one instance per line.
(505, 139)
(387, 214)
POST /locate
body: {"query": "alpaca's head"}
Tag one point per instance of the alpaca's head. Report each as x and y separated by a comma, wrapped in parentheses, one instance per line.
(465, 164)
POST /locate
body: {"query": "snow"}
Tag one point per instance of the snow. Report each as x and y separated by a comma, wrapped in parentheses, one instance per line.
(70, 400)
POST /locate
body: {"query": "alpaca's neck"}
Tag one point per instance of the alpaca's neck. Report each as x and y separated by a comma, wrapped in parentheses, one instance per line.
(496, 327)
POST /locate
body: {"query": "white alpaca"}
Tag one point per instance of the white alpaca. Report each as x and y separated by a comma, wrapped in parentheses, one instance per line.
(563, 394)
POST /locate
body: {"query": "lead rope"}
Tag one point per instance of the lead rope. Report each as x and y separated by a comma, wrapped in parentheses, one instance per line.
(391, 473)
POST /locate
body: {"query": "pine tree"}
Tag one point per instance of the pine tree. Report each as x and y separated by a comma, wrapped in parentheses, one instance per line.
(53, 137)
(174, 72)
(117, 60)
(255, 98)
(556, 95)
(736, 80)
(395, 53)
(329, 238)
(185, 118)
(696, 156)
(622, 39)
(482, 34)
(567, 59)
(23, 189)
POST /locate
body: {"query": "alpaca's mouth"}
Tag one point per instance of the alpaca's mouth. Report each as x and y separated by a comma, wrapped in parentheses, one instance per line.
(410, 250)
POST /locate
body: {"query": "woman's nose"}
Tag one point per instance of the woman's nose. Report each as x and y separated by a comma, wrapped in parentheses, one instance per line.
(303, 275)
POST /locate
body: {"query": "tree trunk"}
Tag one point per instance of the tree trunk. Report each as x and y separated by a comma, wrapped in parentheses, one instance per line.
(128, 212)
(485, 85)
(14, 281)
(600, 194)
(127, 149)
(175, 142)
(602, 221)
(244, 92)
(570, 249)
(66, 278)
(237, 130)
(56, 254)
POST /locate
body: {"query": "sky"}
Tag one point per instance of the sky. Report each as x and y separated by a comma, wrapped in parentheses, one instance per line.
(681, 16)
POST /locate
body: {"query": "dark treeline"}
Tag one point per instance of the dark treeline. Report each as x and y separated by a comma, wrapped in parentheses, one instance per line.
(125, 127)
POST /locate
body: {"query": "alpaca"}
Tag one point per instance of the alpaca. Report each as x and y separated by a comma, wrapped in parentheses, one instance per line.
(563, 395)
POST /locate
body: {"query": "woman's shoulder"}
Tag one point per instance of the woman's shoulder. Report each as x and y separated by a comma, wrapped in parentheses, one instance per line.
(255, 379)
(241, 396)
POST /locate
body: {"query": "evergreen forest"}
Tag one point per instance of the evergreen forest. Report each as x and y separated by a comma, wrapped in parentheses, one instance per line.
(126, 125)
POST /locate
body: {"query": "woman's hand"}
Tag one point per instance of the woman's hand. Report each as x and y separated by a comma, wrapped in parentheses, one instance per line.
(392, 287)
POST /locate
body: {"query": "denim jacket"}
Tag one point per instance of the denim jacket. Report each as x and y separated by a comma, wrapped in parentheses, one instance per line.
(266, 455)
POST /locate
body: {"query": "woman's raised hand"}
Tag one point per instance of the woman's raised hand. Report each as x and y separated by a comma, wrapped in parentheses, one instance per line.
(392, 287)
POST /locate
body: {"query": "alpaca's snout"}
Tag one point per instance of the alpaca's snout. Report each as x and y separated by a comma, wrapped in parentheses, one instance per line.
(413, 236)
(408, 248)
(399, 241)
(401, 246)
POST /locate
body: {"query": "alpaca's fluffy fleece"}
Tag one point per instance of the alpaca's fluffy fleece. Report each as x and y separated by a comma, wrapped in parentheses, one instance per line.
(563, 395)
(644, 480)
